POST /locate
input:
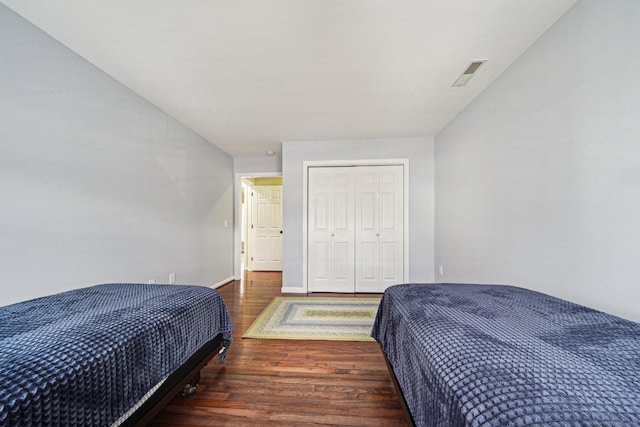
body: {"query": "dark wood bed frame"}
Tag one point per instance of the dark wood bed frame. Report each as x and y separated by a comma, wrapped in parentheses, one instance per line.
(403, 401)
(186, 377)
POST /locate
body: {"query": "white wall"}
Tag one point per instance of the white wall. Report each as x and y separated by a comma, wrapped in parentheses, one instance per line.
(419, 151)
(538, 181)
(96, 184)
(260, 165)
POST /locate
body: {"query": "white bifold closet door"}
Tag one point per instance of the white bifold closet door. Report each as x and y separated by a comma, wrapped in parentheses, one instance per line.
(330, 224)
(379, 226)
(355, 229)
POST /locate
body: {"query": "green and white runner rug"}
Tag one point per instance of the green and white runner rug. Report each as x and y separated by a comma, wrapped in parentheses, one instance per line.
(316, 318)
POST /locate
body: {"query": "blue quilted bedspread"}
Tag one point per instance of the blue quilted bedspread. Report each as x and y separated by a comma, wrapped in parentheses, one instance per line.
(84, 357)
(484, 355)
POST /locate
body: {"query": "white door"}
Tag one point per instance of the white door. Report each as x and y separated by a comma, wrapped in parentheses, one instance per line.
(379, 227)
(355, 228)
(266, 228)
(330, 229)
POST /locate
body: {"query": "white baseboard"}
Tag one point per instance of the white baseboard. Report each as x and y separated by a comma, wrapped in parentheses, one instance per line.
(292, 290)
(224, 282)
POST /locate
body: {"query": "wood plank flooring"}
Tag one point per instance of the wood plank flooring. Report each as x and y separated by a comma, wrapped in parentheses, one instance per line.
(286, 382)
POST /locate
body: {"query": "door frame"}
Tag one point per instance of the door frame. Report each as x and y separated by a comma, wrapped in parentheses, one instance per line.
(237, 189)
(371, 162)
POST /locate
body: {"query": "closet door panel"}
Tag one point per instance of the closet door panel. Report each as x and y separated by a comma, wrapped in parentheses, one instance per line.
(321, 213)
(341, 212)
(367, 218)
(342, 264)
(388, 220)
(368, 212)
(321, 261)
(319, 230)
(368, 261)
(389, 264)
(330, 234)
(380, 235)
(392, 226)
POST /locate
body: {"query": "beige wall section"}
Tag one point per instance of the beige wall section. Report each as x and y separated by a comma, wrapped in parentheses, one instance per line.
(268, 180)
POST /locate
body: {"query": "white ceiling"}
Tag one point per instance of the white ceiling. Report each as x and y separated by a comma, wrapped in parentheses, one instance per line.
(247, 75)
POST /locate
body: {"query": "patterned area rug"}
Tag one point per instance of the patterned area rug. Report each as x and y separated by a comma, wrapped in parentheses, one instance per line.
(316, 318)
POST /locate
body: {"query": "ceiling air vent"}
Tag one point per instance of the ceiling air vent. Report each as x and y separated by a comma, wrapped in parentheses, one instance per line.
(468, 73)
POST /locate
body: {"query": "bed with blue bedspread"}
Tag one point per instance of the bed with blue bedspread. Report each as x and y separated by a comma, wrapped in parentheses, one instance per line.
(96, 356)
(488, 355)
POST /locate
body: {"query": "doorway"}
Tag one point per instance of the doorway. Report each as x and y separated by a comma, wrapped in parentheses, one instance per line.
(260, 237)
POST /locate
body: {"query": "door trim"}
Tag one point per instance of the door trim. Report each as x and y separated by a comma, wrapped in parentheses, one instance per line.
(371, 162)
(237, 223)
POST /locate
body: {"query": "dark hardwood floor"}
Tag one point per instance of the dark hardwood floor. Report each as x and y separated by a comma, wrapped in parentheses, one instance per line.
(286, 382)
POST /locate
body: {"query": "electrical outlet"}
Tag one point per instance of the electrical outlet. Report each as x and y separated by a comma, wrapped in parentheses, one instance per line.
(172, 278)
(441, 270)
(152, 281)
